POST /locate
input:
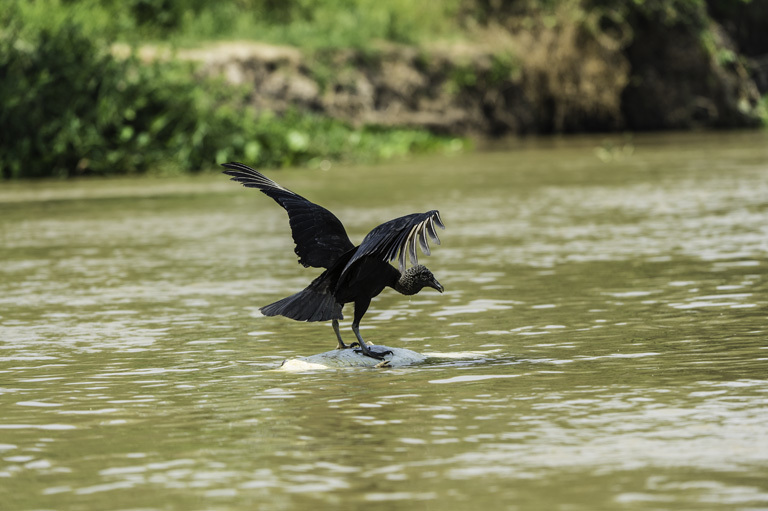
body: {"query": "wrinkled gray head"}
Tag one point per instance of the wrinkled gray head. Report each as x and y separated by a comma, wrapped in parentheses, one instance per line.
(417, 278)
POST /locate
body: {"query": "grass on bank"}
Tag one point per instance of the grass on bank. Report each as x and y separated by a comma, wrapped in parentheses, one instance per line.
(302, 23)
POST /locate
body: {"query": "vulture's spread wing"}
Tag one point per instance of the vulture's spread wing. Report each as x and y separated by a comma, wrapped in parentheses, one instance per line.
(319, 236)
(397, 238)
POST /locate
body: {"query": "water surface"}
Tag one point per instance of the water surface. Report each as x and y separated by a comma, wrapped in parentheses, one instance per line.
(613, 293)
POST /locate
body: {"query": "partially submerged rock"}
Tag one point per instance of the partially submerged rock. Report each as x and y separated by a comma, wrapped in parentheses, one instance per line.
(336, 359)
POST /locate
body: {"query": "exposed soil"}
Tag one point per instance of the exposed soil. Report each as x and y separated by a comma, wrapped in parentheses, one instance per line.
(559, 80)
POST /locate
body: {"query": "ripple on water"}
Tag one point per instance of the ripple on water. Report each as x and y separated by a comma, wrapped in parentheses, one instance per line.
(474, 307)
(733, 300)
(602, 331)
(473, 378)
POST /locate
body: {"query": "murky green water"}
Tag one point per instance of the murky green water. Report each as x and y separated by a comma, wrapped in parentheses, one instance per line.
(616, 296)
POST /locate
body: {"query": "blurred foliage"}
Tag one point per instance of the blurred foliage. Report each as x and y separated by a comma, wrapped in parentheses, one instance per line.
(620, 24)
(70, 107)
(303, 23)
(524, 13)
(745, 22)
(764, 110)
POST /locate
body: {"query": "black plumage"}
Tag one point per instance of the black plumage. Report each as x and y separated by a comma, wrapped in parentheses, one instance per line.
(353, 274)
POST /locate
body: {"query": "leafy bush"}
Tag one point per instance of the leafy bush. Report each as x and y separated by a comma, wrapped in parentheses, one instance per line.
(71, 108)
(304, 23)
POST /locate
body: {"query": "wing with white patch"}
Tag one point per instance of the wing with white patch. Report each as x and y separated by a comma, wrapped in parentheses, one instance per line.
(398, 239)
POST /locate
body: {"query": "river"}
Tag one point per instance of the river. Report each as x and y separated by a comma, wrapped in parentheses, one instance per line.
(601, 343)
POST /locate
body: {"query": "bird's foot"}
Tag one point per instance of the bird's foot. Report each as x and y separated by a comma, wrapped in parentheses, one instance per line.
(383, 364)
(378, 355)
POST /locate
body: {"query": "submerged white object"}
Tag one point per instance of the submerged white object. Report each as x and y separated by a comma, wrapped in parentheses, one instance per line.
(350, 358)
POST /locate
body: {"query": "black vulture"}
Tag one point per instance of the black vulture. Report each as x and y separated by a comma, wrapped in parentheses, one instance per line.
(352, 273)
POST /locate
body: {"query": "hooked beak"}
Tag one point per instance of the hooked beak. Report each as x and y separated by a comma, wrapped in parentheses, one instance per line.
(436, 285)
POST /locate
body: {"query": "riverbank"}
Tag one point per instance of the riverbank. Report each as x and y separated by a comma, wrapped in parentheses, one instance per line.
(571, 66)
(540, 82)
(95, 88)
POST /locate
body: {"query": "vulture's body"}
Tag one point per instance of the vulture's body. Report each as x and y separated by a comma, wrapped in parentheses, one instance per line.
(353, 274)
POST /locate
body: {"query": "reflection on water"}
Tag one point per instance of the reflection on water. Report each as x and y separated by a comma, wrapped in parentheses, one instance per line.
(601, 343)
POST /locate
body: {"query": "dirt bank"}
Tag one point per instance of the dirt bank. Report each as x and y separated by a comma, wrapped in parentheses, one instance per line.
(560, 79)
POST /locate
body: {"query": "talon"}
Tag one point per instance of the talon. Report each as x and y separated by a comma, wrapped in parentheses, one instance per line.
(383, 364)
(378, 355)
(358, 275)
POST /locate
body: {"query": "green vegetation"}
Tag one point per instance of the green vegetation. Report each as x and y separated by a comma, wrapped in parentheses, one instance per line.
(70, 107)
(764, 110)
(302, 23)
